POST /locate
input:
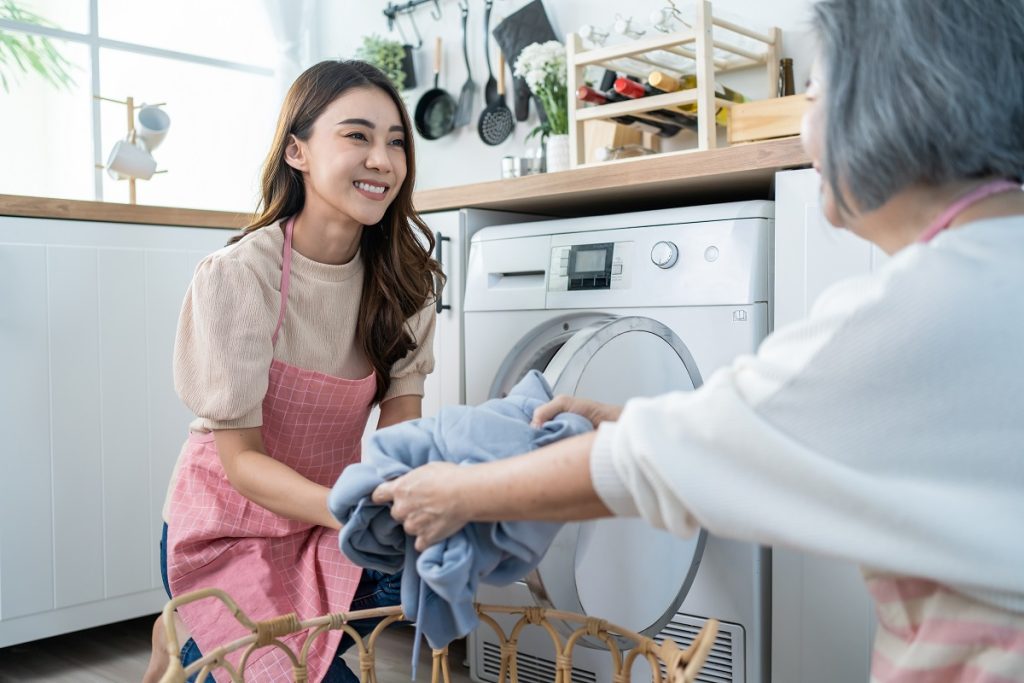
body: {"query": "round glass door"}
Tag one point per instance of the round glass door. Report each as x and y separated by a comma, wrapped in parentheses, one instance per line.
(621, 569)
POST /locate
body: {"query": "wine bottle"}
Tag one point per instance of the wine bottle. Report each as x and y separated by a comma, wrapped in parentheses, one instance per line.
(593, 96)
(608, 80)
(786, 84)
(634, 90)
(665, 83)
(660, 128)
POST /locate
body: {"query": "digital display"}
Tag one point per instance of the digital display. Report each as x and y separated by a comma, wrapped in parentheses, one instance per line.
(590, 266)
(590, 261)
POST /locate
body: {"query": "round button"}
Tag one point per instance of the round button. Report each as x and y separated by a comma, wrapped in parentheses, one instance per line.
(711, 254)
(664, 254)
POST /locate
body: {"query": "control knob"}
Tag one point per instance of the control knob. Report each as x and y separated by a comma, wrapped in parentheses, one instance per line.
(664, 254)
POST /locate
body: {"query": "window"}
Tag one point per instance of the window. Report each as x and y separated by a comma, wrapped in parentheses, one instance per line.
(212, 63)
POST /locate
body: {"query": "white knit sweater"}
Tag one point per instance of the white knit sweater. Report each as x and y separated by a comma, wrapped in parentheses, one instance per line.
(886, 429)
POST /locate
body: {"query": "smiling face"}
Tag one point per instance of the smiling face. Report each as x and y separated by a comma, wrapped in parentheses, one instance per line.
(354, 162)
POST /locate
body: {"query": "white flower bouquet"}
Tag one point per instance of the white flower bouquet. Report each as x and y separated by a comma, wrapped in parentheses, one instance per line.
(542, 65)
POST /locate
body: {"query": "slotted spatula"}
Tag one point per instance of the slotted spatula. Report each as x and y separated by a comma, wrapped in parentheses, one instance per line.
(465, 108)
(490, 87)
(496, 121)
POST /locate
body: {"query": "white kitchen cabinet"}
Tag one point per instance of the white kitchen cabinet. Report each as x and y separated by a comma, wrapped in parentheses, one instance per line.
(445, 386)
(91, 423)
(823, 620)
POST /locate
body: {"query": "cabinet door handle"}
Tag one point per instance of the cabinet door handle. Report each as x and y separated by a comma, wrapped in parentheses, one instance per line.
(438, 239)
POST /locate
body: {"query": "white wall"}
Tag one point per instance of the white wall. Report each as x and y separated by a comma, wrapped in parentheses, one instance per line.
(461, 157)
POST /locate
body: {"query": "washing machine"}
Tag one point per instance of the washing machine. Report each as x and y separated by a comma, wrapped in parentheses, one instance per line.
(611, 308)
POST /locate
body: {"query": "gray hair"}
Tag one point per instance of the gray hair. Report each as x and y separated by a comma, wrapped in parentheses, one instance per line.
(920, 92)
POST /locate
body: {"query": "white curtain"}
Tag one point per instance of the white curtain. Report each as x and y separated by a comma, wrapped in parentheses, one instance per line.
(292, 21)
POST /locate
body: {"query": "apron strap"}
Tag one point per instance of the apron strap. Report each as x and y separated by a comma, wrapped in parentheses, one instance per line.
(286, 276)
(961, 204)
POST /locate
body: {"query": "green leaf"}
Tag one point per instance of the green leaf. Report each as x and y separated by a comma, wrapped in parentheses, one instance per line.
(31, 53)
(16, 50)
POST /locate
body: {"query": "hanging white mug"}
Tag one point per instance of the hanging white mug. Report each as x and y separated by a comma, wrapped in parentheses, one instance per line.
(151, 126)
(128, 160)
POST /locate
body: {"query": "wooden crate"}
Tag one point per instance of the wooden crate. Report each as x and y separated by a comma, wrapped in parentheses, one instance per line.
(776, 117)
(598, 134)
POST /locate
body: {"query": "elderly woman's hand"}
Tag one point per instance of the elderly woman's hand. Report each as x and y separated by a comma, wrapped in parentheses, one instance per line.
(426, 502)
(592, 410)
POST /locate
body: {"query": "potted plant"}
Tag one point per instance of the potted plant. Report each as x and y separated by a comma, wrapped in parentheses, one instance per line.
(30, 53)
(542, 66)
(391, 57)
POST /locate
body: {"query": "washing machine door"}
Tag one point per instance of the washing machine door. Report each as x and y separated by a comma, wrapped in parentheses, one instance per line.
(619, 569)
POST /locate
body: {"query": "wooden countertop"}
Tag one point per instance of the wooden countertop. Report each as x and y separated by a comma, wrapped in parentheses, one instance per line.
(671, 179)
(73, 209)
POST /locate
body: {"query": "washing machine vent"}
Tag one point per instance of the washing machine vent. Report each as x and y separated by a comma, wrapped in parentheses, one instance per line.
(725, 661)
(531, 669)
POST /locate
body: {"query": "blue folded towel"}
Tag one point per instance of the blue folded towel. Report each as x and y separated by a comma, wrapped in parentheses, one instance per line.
(439, 585)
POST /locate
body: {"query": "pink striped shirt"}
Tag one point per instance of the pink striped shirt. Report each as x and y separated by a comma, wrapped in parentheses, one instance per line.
(928, 633)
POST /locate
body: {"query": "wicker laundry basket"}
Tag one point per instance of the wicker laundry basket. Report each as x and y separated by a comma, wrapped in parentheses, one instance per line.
(680, 665)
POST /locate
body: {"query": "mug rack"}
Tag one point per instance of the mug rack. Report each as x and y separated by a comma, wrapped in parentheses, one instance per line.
(130, 105)
(697, 45)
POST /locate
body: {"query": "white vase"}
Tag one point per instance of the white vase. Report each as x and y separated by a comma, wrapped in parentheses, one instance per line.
(557, 153)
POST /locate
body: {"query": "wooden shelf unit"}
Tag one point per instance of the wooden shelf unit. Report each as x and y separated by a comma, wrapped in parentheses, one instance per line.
(698, 45)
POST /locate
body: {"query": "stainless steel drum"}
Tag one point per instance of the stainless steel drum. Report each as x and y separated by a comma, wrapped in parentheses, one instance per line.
(621, 569)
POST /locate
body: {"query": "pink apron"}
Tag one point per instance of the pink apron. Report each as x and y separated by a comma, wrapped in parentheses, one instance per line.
(961, 204)
(271, 566)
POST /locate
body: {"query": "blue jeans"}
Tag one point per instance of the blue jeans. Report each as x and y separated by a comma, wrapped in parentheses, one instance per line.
(376, 589)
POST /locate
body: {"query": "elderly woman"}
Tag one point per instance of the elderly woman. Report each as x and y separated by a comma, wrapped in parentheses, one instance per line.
(886, 429)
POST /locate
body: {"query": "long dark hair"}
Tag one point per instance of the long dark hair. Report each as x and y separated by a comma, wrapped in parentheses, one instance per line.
(400, 275)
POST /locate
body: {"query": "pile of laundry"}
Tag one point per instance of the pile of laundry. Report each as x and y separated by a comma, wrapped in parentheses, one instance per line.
(439, 584)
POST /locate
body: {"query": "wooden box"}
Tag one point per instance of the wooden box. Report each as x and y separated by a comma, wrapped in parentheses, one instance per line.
(776, 117)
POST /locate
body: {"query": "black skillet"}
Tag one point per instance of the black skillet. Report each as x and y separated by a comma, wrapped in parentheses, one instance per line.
(435, 112)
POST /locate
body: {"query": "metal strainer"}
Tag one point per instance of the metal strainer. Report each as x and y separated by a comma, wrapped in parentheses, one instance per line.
(497, 121)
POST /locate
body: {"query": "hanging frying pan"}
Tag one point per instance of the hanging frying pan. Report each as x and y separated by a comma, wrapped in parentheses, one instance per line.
(435, 112)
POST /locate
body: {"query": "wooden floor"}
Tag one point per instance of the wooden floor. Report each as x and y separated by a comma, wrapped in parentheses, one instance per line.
(118, 653)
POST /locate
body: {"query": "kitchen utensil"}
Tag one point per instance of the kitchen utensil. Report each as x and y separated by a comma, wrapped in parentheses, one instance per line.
(407, 49)
(529, 24)
(435, 112)
(491, 87)
(465, 108)
(496, 121)
(408, 66)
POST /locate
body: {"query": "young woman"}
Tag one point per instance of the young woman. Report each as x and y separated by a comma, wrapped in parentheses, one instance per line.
(287, 337)
(886, 429)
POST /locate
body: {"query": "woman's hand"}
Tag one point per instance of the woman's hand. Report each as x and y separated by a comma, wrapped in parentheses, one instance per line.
(592, 410)
(268, 482)
(426, 502)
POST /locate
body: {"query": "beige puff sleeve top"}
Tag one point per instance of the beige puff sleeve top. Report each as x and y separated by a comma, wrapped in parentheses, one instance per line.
(223, 349)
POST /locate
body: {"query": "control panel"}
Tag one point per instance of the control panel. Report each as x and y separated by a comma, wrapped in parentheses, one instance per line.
(598, 265)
